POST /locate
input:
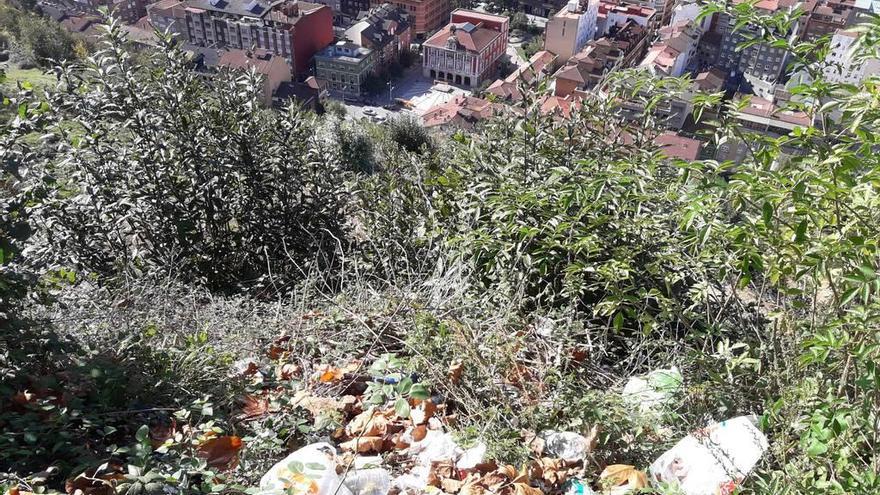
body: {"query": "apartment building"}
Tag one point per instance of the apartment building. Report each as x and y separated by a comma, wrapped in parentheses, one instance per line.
(569, 30)
(345, 66)
(612, 13)
(760, 65)
(386, 30)
(292, 29)
(623, 47)
(841, 63)
(675, 51)
(425, 15)
(826, 17)
(467, 51)
(664, 9)
(353, 8)
(273, 68)
(539, 67)
(762, 117)
(168, 15)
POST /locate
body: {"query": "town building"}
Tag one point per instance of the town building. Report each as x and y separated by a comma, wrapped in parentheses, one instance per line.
(664, 9)
(345, 67)
(675, 50)
(425, 15)
(690, 10)
(826, 17)
(622, 48)
(273, 68)
(461, 112)
(508, 89)
(467, 50)
(353, 8)
(612, 13)
(842, 66)
(761, 117)
(293, 29)
(128, 11)
(569, 30)
(307, 94)
(710, 81)
(386, 30)
(760, 65)
(679, 147)
(168, 16)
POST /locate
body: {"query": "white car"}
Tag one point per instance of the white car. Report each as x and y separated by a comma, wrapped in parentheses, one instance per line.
(369, 111)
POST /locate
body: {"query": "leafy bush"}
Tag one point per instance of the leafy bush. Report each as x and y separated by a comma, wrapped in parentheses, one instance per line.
(410, 134)
(177, 175)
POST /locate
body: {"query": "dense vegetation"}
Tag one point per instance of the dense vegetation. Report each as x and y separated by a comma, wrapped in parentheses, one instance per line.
(157, 227)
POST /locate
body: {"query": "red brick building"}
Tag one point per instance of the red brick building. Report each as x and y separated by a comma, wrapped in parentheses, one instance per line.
(294, 30)
(425, 15)
(466, 51)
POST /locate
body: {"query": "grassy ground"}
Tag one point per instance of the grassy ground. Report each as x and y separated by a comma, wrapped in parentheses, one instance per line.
(36, 77)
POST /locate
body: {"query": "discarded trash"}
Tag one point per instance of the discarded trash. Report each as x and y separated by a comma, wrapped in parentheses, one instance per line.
(436, 446)
(415, 481)
(622, 478)
(577, 487)
(375, 481)
(654, 389)
(714, 459)
(310, 470)
(566, 445)
(472, 457)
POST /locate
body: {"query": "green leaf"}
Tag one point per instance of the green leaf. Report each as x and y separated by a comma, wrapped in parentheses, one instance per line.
(767, 212)
(816, 448)
(401, 407)
(22, 110)
(800, 232)
(418, 391)
(314, 466)
(143, 434)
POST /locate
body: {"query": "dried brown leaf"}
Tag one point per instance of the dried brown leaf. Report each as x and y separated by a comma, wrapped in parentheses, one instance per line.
(363, 445)
(221, 452)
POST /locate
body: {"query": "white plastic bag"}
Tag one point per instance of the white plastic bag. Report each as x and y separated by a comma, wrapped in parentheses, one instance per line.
(654, 390)
(310, 470)
(713, 460)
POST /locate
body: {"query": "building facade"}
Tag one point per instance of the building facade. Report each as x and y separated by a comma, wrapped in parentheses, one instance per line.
(841, 65)
(760, 65)
(344, 67)
(622, 48)
(611, 13)
(567, 32)
(425, 15)
(273, 68)
(386, 30)
(292, 29)
(168, 16)
(467, 51)
(675, 51)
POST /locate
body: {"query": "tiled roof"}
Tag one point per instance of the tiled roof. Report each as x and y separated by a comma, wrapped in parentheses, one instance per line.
(469, 37)
(767, 111)
(710, 80)
(260, 60)
(674, 146)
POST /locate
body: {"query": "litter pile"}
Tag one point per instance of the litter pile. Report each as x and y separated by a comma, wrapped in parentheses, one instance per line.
(395, 438)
